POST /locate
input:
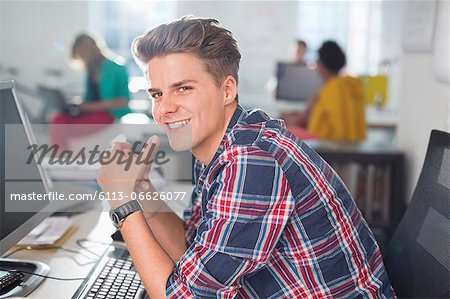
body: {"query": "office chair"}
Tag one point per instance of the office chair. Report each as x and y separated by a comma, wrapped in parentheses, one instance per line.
(418, 255)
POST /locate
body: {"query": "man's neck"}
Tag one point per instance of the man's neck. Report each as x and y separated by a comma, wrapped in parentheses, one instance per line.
(205, 156)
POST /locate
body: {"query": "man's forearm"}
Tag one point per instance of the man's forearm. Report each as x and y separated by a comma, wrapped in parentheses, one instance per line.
(152, 262)
(168, 229)
(166, 226)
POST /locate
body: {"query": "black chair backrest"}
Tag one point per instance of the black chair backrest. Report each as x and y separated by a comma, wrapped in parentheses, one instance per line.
(418, 255)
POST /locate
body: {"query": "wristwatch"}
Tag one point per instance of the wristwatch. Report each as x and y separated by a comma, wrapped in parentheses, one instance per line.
(119, 214)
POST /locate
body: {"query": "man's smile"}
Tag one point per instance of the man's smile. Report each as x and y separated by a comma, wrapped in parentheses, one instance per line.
(178, 124)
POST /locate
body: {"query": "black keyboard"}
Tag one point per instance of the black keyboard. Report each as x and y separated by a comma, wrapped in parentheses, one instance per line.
(9, 280)
(114, 276)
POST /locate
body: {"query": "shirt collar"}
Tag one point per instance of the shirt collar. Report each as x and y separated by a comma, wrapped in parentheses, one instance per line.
(238, 115)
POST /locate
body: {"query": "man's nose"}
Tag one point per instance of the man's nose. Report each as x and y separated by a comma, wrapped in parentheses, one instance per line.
(167, 105)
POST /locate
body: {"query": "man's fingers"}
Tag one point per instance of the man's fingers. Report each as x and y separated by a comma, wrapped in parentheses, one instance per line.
(144, 185)
(150, 149)
(122, 146)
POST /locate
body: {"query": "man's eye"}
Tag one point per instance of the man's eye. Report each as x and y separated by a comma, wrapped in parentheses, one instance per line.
(156, 95)
(184, 88)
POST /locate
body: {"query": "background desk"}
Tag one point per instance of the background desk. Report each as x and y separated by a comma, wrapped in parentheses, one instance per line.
(375, 176)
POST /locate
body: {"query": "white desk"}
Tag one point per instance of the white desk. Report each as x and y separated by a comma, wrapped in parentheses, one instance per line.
(93, 225)
(376, 118)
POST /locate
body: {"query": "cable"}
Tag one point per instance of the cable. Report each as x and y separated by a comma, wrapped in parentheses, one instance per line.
(76, 252)
(54, 247)
(65, 249)
(80, 243)
(45, 276)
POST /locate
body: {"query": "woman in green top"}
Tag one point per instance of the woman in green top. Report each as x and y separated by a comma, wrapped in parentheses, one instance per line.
(106, 97)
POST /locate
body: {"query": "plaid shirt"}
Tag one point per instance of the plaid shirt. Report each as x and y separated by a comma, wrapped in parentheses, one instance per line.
(270, 219)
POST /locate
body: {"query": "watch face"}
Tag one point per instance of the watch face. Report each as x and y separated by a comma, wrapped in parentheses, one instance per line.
(114, 218)
(119, 214)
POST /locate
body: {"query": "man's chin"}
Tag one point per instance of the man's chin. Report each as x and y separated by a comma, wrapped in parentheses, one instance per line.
(180, 140)
(180, 144)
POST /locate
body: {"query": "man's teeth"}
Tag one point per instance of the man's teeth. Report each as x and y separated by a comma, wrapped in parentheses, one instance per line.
(178, 124)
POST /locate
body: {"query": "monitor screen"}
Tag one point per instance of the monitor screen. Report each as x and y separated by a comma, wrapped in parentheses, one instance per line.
(16, 175)
(53, 98)
(296, 83)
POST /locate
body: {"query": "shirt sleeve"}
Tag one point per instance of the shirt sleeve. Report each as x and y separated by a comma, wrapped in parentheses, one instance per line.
(336, 103)
(248, 204)
(114, 81)
(319, 122)
(122, 83)
(193, 213)
(192, 216)
(88, 95)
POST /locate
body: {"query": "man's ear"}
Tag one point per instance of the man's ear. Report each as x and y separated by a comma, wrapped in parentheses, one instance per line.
(230, 90)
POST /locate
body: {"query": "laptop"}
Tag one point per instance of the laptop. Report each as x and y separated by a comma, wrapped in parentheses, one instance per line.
(54, 98)
(296, 83)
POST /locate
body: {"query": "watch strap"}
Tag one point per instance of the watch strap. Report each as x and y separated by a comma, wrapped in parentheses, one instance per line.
(127, 209)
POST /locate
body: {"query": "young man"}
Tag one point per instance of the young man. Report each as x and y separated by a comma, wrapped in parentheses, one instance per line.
(269, 218)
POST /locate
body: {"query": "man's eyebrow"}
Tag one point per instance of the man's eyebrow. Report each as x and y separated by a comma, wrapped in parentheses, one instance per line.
(174, 85)
(150, 90)
(180, 83)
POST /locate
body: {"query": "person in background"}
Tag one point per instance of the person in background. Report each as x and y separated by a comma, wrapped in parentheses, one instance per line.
(106, 92)
(337, 111)
(300, 52)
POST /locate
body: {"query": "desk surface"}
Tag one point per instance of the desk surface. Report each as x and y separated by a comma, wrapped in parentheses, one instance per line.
(376, 118)
(93, 225)
(355, 150)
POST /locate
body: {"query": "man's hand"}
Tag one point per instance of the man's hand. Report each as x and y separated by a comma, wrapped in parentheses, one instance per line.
(124, 171)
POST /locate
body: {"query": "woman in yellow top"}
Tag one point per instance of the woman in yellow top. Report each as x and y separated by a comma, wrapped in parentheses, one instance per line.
(337, 112)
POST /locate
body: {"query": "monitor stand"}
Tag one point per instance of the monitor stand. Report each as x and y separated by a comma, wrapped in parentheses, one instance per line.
(29, 282)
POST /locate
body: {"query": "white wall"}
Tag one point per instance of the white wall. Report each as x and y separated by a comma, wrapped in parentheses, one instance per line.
(37, 35)
(424, 102)
(391, 50)
(424, 105)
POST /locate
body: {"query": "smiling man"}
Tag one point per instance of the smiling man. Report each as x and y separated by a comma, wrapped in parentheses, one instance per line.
(268, 218)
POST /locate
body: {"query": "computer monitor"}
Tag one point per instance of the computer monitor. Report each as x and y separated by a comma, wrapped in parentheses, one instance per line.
(296, 83)
(17, 175)
(55, 100)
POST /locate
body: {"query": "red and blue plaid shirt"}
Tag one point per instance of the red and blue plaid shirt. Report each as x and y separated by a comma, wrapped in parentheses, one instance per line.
(270, 219)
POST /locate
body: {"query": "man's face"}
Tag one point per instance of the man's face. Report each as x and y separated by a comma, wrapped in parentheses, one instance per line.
(300, 53)
(187, 103)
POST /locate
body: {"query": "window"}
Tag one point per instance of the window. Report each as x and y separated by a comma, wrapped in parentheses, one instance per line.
(354, 25)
